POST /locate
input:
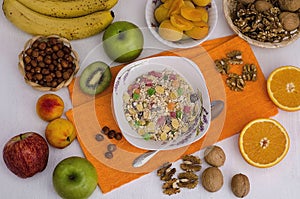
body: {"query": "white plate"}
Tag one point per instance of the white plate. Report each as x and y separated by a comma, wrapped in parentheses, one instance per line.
(183, 66)
(186, 43)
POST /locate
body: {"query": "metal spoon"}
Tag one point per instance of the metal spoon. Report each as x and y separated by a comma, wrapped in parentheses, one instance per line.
(216, 108)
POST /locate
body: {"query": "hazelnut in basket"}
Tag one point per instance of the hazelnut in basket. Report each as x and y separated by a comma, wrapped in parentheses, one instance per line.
(48, 63)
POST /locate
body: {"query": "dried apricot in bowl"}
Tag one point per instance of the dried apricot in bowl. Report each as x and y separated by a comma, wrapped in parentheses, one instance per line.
(264, 142)
(283, 87)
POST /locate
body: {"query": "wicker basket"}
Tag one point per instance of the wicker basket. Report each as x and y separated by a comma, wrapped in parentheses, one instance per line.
(229, 8)
(37, 86)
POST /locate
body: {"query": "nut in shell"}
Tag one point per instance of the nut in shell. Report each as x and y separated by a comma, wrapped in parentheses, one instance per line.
(212, 179)
(48, 63)
(240, 185)
(215, 156)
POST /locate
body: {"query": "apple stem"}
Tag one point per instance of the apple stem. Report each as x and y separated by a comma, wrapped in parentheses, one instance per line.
(68, 139)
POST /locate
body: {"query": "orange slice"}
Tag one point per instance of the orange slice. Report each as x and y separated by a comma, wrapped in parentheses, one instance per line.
(264, 143)
(283, 87)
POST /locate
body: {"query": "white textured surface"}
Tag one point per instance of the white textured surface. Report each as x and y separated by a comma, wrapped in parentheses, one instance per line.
(17, 109)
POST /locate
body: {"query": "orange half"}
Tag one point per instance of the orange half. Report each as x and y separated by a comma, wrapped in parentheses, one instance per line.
(264, 142)
(283, 87)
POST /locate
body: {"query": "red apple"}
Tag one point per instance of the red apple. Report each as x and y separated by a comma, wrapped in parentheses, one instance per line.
(26, 154)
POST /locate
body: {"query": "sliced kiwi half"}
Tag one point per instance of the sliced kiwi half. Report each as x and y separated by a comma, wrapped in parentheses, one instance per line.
(95, 78)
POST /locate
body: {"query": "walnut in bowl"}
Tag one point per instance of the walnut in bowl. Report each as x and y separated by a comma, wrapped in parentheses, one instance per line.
(258, 22)
(48, 63)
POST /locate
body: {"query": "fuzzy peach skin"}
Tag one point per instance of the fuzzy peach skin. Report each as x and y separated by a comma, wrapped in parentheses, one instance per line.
(60, 133)
(49, 107)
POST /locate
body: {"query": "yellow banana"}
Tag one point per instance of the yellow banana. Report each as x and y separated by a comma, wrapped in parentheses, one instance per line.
(71, 28)
(68, 8)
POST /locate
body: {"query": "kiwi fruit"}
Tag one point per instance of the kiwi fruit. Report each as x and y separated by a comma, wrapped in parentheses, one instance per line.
(95, 78)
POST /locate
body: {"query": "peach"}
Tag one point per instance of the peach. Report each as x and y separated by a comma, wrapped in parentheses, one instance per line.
(60, 133)
(49, 107)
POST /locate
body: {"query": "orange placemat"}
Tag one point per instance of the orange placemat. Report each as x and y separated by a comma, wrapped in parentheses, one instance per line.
(241, 107)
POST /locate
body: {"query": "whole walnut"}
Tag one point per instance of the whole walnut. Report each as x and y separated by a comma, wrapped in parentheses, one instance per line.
(289, 5)
(290, 21)
(262, 6)
(240, 185)
(212, 179)
(246, 1)
(215, 156)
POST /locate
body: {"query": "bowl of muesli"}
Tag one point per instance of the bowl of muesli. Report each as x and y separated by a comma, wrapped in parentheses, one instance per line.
(161, 103)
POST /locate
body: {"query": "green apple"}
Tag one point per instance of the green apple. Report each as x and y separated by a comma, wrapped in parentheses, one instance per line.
(74, 178)
(123, 41)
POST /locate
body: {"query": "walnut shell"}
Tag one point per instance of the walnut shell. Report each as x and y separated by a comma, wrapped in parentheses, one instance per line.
(289, 5)
(262, 6)
(215, 156)
(289, 20)
(212, 179)
(246, 1)
(240, 185)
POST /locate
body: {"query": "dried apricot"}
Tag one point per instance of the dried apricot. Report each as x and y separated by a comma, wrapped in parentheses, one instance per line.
(175, 7)
(169, 32)
(199, 31)
(201, 2)
(204, 13)
(189, 3)
(161, 13)
(181, 23)
(191, 14)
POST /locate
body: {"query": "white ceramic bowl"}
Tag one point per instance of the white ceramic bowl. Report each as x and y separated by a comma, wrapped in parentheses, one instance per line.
(185, 43)
(184, 67)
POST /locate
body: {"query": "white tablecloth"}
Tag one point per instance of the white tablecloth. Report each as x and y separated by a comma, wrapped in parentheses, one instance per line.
(17, 109)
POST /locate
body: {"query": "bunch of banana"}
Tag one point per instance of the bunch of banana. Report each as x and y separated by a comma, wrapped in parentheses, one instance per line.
(72, 19)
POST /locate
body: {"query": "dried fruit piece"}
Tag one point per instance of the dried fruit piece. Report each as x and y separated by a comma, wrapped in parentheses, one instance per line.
(204, 13)
(169, 32)
(175, 7)
(189, 3)
(215, 156)
(240, 185)
(191, 14)
(161, 13)
(201, 2)
(212, 179)
(181, 23)
(199, 31)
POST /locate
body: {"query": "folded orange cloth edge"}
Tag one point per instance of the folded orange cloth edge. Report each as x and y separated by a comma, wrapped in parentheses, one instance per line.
(242, 107)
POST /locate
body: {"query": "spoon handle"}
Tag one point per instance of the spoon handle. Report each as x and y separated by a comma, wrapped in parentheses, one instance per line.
(142, 159)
